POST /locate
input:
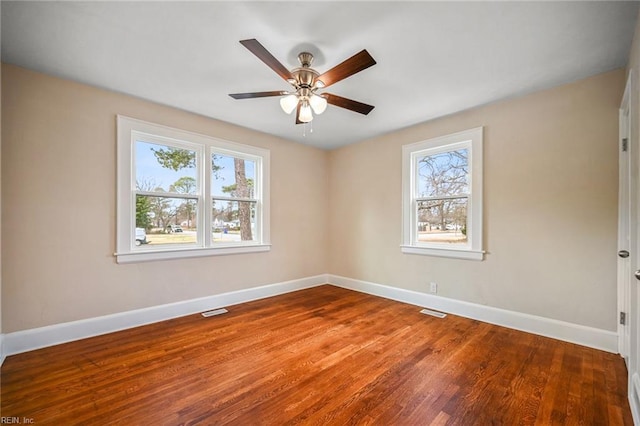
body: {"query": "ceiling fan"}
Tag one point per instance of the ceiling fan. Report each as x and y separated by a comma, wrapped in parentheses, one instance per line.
(306, 82)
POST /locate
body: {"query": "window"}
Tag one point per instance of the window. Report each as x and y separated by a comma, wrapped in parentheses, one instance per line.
(442, 196)
(182, 194)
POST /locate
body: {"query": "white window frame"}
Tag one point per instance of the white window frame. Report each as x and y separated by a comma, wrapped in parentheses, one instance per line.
(468, 139)
(128, 131)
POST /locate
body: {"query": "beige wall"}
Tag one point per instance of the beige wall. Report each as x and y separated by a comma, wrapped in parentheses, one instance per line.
(58, 189)
(550, 206)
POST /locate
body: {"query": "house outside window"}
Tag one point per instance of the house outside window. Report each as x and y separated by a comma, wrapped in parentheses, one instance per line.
(442, 196)
(182, 194)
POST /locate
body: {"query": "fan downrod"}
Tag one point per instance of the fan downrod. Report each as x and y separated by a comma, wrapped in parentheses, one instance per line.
(304, 77)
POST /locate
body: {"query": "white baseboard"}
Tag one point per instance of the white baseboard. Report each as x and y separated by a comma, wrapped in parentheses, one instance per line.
(27, 340)
(574, 333)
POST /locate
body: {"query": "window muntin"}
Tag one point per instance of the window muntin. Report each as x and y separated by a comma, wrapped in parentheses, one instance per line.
(442, 196)
(167, 191)
(234, 198)
(165, 187)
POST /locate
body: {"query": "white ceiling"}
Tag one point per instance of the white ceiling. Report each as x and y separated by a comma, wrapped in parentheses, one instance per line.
(433, 58)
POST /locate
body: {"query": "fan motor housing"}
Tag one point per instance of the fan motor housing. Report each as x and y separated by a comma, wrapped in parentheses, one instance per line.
(305, 77)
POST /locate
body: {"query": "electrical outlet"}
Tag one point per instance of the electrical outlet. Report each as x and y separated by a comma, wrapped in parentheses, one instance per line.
(433, 288)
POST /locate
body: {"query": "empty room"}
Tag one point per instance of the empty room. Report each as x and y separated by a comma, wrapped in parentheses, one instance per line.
(316, 212)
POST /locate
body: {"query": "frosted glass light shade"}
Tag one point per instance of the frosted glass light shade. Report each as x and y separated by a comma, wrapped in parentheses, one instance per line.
(318, 103)
(305, 113)
(289, 103)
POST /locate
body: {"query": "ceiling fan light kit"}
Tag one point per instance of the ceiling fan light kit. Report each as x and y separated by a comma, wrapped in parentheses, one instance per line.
(305, 112)
(289, 103)
(306, 81)
(318, 103)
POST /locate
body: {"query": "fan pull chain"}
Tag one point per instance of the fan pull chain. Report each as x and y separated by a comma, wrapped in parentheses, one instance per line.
(304, 128)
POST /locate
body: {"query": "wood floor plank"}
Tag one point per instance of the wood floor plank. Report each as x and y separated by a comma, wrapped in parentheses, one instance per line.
(326, 356)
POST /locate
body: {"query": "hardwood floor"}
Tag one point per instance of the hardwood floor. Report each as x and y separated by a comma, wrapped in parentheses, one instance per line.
(324, 356)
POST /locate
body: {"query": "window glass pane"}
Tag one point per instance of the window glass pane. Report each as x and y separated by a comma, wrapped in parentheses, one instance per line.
(232, 177)
(233, 221)
(161, 168)
(166, 220)
(443, 174)
(443, 221)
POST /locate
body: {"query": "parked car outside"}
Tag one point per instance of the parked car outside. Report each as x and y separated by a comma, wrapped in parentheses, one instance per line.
(174, 228)
(141, 236)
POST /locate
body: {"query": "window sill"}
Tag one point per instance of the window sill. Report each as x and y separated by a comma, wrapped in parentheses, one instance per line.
(444, 252)
(151, 255)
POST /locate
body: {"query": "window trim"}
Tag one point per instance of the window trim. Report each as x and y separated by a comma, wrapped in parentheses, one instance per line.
(126, 251)
(473, 140)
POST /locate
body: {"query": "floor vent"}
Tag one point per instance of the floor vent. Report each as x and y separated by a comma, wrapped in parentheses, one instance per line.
(214, 312)
(433, 313)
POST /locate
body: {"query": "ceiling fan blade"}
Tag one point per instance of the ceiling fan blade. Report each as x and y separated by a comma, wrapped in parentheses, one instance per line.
(263, 54)
(298, 114)
(348, 103)
(257, 94)
(354, 64)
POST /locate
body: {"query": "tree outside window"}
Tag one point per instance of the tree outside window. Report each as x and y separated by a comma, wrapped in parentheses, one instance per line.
(188, 192)
(442, 191)
(442, 196)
